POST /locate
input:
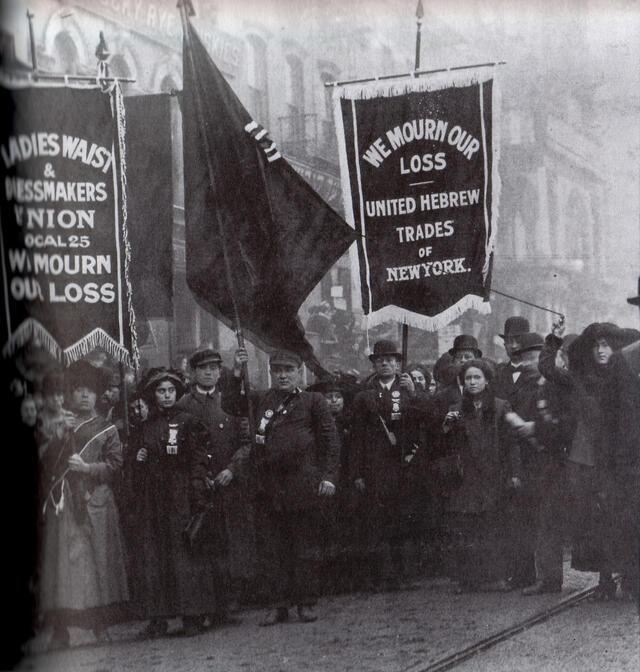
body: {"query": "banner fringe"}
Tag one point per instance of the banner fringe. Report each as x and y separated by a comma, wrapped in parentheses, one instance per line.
(31, 330)
(426, 322)
(122, 155)
(436, 82)
(98, 338)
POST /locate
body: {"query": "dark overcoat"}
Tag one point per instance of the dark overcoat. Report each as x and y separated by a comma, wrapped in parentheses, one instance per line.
(301, 446)
(237, 509)
(167, 489)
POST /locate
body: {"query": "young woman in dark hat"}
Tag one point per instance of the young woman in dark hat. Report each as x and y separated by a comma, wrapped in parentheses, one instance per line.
(83, 575)
(169, 467)
(485, 462)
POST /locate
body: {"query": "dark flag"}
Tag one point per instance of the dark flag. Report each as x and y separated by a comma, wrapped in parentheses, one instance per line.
(150, 204)
(281, 237)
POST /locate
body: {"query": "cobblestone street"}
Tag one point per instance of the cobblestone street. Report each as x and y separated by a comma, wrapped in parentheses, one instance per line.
(376, 633)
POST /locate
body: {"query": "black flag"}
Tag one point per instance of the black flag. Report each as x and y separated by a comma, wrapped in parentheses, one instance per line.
(281, 237)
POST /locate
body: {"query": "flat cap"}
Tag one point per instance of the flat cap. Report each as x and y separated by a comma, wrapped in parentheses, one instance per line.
(285, 358)
(203, 355)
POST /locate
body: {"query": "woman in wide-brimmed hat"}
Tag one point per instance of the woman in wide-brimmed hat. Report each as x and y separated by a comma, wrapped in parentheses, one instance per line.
(83, 576)
(168, 468)
(587, 383)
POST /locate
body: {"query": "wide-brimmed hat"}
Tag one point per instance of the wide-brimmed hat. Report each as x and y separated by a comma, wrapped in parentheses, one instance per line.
(202, 356)
(635, 300)
(514, 326)
(159, 374)
(384, 348)
(465, 342)
(581, 350)
(346, 384)
(529, 341)
(285, 358)
(84, 374)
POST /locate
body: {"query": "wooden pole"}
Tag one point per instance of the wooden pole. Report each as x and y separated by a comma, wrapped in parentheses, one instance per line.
(185, 5)
(32, 43)
(405, 326)
(419, 17)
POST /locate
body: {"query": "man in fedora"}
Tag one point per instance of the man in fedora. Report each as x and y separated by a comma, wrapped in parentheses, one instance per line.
(294, 459)
(203, 401)
(508, 373)
(384, 436)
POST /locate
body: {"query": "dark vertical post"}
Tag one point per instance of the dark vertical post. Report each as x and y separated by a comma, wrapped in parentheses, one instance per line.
(32, 42)
(419, 17)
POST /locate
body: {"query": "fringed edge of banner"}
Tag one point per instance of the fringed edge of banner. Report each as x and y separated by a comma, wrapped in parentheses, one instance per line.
(98, 338)
(28, 331)
(426, 322)
(496, 138)
(121, 126)
(410, 84)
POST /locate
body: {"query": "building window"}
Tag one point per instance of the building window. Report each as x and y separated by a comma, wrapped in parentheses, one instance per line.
(65, 53)
(294, 95)
(257, 79)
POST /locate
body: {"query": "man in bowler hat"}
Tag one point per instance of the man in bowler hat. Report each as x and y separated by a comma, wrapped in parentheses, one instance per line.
(294, 458)
(384, 437)
(509, 372)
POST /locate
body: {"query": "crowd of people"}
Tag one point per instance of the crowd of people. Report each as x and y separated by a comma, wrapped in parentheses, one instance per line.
(204, 494)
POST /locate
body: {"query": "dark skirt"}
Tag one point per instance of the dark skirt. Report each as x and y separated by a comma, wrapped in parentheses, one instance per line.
(477, 548)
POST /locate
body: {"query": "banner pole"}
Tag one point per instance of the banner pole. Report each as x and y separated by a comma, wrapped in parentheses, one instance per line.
(419, 17)
(182, 4)
(405, 326)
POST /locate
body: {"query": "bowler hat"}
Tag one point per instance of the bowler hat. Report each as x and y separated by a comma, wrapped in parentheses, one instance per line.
(84, 374)
(384, 348)
(203, 355)
(635, 300)
(465, 342)
(285, 358)
(514, 326)
(529, 341)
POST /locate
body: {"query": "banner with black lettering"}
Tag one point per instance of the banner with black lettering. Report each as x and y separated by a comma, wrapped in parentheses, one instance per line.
(420, 185)
(65, 248)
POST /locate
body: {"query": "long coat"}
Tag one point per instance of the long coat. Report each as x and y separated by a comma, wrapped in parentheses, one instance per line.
(237, 508)
(301, 446)
(168, 488)
(381, 458)
(83, 553)
(488, 456)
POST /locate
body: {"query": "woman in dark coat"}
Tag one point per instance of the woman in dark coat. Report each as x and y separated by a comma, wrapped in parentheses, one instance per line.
(485, 460)
(588, 381)
(339, 514)
(83, 574)
(168, 481)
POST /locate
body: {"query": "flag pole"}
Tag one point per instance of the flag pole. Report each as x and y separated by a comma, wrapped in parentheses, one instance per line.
(184, 6)
(405, 326)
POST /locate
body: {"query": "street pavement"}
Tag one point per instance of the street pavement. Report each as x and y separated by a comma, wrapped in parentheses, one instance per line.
(401, 631)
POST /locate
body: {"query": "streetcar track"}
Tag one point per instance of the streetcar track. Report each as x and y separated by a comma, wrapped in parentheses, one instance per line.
(454, 659)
